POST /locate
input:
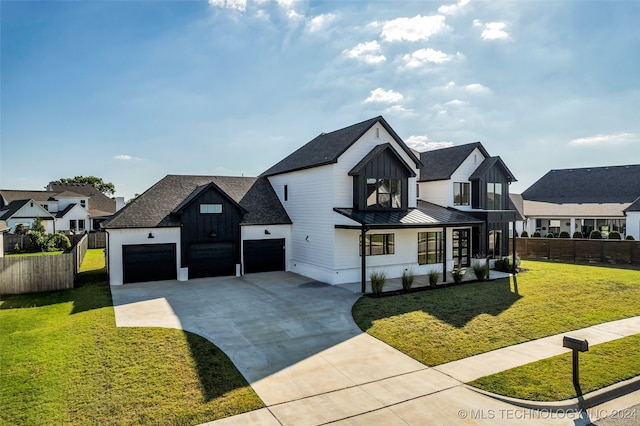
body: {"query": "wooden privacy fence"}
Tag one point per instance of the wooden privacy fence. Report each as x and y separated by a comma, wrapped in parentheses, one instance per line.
(34, 274)
(579, 250)
(95, 240)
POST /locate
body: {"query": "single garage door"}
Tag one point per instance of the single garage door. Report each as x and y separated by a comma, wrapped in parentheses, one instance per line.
(211, 260)
(148, 262)
(263, 255)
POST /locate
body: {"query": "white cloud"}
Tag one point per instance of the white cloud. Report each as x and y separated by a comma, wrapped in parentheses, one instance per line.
(452, 8)
(317, 23)
(617, 138)
(124, 157)
(240, 5)
(380, 95)
(477, 88)
(413, 29)
(396, 109)
(368, 52)
(423, 56)
(294, 16)
(421, 143)
(492, 30)
(456, 102)
(286, 4)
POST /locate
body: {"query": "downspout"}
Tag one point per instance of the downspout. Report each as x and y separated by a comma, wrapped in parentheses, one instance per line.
(513, 249)
(363, 259)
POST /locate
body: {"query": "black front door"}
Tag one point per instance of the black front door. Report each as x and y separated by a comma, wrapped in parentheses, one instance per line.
(461, 247)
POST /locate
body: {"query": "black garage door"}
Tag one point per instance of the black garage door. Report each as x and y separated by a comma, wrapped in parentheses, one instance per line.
(211, 260)
(148, 262)
(263, 255)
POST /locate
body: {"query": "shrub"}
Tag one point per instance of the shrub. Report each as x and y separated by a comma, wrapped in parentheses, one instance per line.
(577, 234)
(595, 235)
(39, 240)
(434, 276)
(407, 279)
(615, 235)
(524, 234)
(20, 229)
(550, 235)
(564, 234)
(630, 237)
(458, 273)
(59, 241)
(536, 234)
(481, 270)
(17, 248)
(38, 226)
(378, 278)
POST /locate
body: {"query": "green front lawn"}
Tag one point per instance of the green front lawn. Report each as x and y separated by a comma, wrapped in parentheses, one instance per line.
(444, 325)
(35, 253)
(551, 379)
(65, 362)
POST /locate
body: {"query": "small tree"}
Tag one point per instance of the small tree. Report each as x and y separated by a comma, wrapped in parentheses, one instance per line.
(577, 234)
(550, 235)
(20, 229)
(524, 234)
(59, 241)
(536, 234)
(595, 235)
(564, 234)
(38, 226)
(630, 238)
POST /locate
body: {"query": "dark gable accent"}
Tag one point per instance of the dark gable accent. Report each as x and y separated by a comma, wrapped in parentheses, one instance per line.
(491, 170)
(208, 227)
(327, 147)
(381, 162)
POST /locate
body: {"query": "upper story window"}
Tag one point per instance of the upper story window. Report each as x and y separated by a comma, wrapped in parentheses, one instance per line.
(494, 196)
(210, 208)
(384, 193)
(461, 193)
(286, 192)
(83, 203)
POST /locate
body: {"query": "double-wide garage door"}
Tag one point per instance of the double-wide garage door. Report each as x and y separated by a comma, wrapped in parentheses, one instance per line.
(148, 262)
(264, 255)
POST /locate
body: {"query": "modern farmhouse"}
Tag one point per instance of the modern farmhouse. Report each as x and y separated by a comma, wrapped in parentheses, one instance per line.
(343, 205)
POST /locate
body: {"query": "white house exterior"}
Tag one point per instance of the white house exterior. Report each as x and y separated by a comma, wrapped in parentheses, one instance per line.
(342, 206)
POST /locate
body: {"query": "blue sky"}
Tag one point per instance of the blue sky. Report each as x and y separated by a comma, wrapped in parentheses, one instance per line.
(133, 90)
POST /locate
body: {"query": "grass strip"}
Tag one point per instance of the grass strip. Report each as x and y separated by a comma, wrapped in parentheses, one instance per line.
(435, 327)
(65, 362)
(551, 379)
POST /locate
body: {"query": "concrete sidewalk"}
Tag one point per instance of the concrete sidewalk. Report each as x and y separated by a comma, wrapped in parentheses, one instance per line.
(438, 395)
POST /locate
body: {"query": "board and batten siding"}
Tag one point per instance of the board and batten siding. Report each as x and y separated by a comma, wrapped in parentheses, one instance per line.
(310, 207)
(120, 237)
(462, 174)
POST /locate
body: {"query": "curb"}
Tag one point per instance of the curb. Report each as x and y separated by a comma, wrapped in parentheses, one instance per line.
(575, 404)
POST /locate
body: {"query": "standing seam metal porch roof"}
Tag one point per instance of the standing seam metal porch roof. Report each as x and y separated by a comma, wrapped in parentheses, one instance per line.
(424, 215)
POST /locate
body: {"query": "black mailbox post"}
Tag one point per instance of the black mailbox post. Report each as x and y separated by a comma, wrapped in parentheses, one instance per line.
(576, 345)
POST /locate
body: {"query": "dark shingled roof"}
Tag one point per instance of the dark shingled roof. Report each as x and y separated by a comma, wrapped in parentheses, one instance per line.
(425, 215)
(11, 209)
(516, 203)
(440, 164)
(634, 207)
(327, 147)
(489, 163)
(155, 207)
(614, 184)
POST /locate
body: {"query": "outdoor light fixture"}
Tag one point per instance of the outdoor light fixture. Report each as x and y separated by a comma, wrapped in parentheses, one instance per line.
(213, 235)
(150, 235)
(307, 239)
(266, 232)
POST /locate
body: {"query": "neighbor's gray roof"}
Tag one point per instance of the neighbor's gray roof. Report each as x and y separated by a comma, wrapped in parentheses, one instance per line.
(12, 208)
(99, 203)
(327, 147)
(634, 207)
(440, 164)
(516, 203)
(9, 195)
(425, 215)
(154, 207)
(614, 184)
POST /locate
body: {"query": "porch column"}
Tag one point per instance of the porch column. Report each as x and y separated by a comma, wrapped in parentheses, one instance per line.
(573, 226)
(513, 239)
(444, 255)
(363, 258)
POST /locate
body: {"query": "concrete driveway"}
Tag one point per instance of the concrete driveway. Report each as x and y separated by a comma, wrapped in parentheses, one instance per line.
(295, 342)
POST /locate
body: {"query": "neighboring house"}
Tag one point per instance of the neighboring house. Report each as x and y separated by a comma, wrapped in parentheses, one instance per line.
(466, 178)
(63, 208)
(343, 205)
(602, 198)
